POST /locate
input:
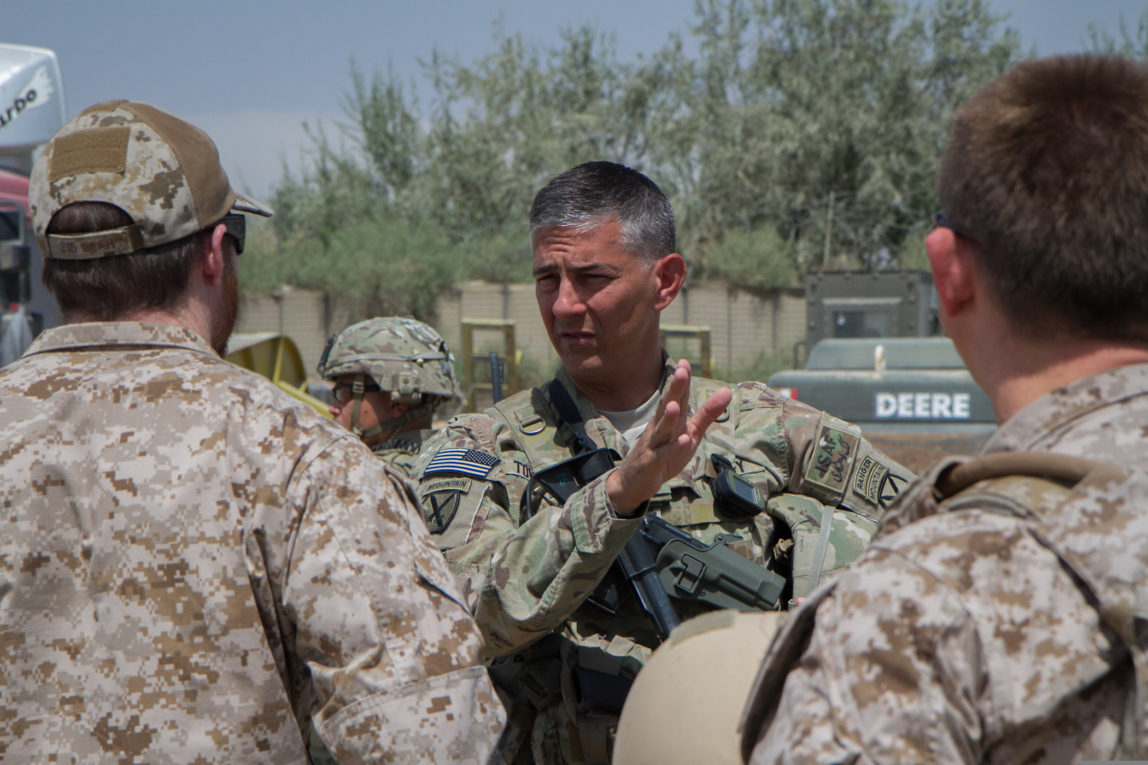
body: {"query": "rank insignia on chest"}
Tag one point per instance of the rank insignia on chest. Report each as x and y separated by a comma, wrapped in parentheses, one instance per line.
(472, 462)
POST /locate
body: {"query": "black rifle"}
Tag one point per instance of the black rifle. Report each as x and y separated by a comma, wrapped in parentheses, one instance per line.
(660, 559)
(635, 562)
(713, 574)
(497, 374)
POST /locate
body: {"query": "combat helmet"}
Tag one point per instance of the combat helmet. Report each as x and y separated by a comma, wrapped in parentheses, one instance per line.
(404, 357)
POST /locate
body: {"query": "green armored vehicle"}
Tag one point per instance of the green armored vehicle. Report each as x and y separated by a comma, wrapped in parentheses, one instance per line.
(910, 394)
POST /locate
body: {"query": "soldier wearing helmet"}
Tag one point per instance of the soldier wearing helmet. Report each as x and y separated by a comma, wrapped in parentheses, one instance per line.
(389, 376)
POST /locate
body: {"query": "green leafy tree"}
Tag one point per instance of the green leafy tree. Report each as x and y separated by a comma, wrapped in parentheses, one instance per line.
(825, 118)
(789, 135)
(1131, 43)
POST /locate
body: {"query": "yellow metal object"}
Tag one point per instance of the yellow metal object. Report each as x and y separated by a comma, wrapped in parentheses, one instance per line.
(676, 339)
(509, 355)
(277, 358)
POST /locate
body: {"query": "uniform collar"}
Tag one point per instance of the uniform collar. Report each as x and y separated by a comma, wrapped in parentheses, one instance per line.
(117, 334)
(1060, 409)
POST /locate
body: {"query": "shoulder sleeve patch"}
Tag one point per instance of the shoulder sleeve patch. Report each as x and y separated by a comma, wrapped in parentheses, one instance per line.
(439, 509)
(472, 462)
(869, 478)
(832, 461)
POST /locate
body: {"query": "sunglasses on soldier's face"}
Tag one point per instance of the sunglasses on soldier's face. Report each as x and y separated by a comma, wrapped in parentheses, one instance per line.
(342, 392)
(236, 226)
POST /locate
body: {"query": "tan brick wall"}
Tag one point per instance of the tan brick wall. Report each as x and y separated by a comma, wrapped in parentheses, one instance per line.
(743, 323)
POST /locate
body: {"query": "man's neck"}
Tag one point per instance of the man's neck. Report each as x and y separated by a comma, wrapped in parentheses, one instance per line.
(1033, 370)
(623, 392)
(150, 316)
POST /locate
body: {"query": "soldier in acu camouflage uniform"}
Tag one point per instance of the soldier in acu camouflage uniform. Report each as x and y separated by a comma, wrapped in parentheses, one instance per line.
(1000, 614)
(605, 267)
(390, 376)
(193, 567)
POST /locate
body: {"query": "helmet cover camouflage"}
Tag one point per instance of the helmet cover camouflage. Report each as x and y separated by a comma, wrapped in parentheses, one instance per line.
(404, 357)
(160, 170)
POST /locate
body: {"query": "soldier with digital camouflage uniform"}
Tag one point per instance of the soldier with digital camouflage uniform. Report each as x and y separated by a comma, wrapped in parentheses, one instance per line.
(532, 540)
(193, 566)
(1000, 614)
(389, 376)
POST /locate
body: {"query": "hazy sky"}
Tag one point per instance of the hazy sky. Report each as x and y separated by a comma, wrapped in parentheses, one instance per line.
(250, 73)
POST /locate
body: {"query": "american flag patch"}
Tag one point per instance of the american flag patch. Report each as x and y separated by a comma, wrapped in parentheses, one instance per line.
(470, 462)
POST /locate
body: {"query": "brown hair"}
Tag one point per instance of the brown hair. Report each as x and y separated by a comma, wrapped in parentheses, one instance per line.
(106, 289)
(1046, 171)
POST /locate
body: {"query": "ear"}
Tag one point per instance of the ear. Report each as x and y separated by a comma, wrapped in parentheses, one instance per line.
(954, 271)
(212, 265)
(670, 274)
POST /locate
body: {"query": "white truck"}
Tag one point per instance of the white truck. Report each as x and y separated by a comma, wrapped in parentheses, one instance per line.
(31, 111)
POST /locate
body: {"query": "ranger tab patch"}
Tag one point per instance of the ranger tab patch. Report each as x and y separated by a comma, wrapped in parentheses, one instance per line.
(472, 462)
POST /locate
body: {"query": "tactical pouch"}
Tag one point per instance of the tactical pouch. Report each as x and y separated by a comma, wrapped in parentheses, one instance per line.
(600, 691)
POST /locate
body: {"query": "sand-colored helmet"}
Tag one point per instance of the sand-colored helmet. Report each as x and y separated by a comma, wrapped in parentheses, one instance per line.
(402, 356)
(687, 701)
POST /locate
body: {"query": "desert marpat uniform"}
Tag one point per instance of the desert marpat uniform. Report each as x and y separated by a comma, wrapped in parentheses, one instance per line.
(193, 566)
(971, 631)
(525, 577)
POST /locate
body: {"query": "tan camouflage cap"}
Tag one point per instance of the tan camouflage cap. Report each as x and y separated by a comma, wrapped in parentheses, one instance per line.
(160, 170)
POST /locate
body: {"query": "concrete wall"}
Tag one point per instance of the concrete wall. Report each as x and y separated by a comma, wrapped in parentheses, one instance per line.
(743, 324)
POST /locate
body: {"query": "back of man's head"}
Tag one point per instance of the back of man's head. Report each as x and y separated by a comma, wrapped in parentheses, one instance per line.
(595, 193)
(121, 200)
(1046, 172)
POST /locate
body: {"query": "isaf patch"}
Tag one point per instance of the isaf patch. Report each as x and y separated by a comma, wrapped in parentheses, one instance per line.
(832, 457)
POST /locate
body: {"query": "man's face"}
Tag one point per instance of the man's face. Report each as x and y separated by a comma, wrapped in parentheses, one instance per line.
(375, 408)
(599, 304)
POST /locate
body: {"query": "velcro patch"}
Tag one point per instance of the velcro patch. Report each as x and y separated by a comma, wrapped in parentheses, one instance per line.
(832, 457)
(95, 150)
(891, 486)
(472, 462)
(447, 484)
(439, 509)
(868, 479)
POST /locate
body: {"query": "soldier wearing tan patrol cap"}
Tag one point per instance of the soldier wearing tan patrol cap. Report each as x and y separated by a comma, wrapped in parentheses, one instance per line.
(193, 566)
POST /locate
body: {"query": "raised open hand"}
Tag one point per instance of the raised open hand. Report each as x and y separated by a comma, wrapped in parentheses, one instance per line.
(667, 443)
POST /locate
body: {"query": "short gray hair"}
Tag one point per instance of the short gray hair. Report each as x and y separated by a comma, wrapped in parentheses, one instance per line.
(595, 193)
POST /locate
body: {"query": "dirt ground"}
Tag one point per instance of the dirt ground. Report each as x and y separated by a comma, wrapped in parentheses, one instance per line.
(919, 452)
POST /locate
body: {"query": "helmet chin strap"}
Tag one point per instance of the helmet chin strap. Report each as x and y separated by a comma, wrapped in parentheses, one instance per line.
(392, 424)
(358, 388)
